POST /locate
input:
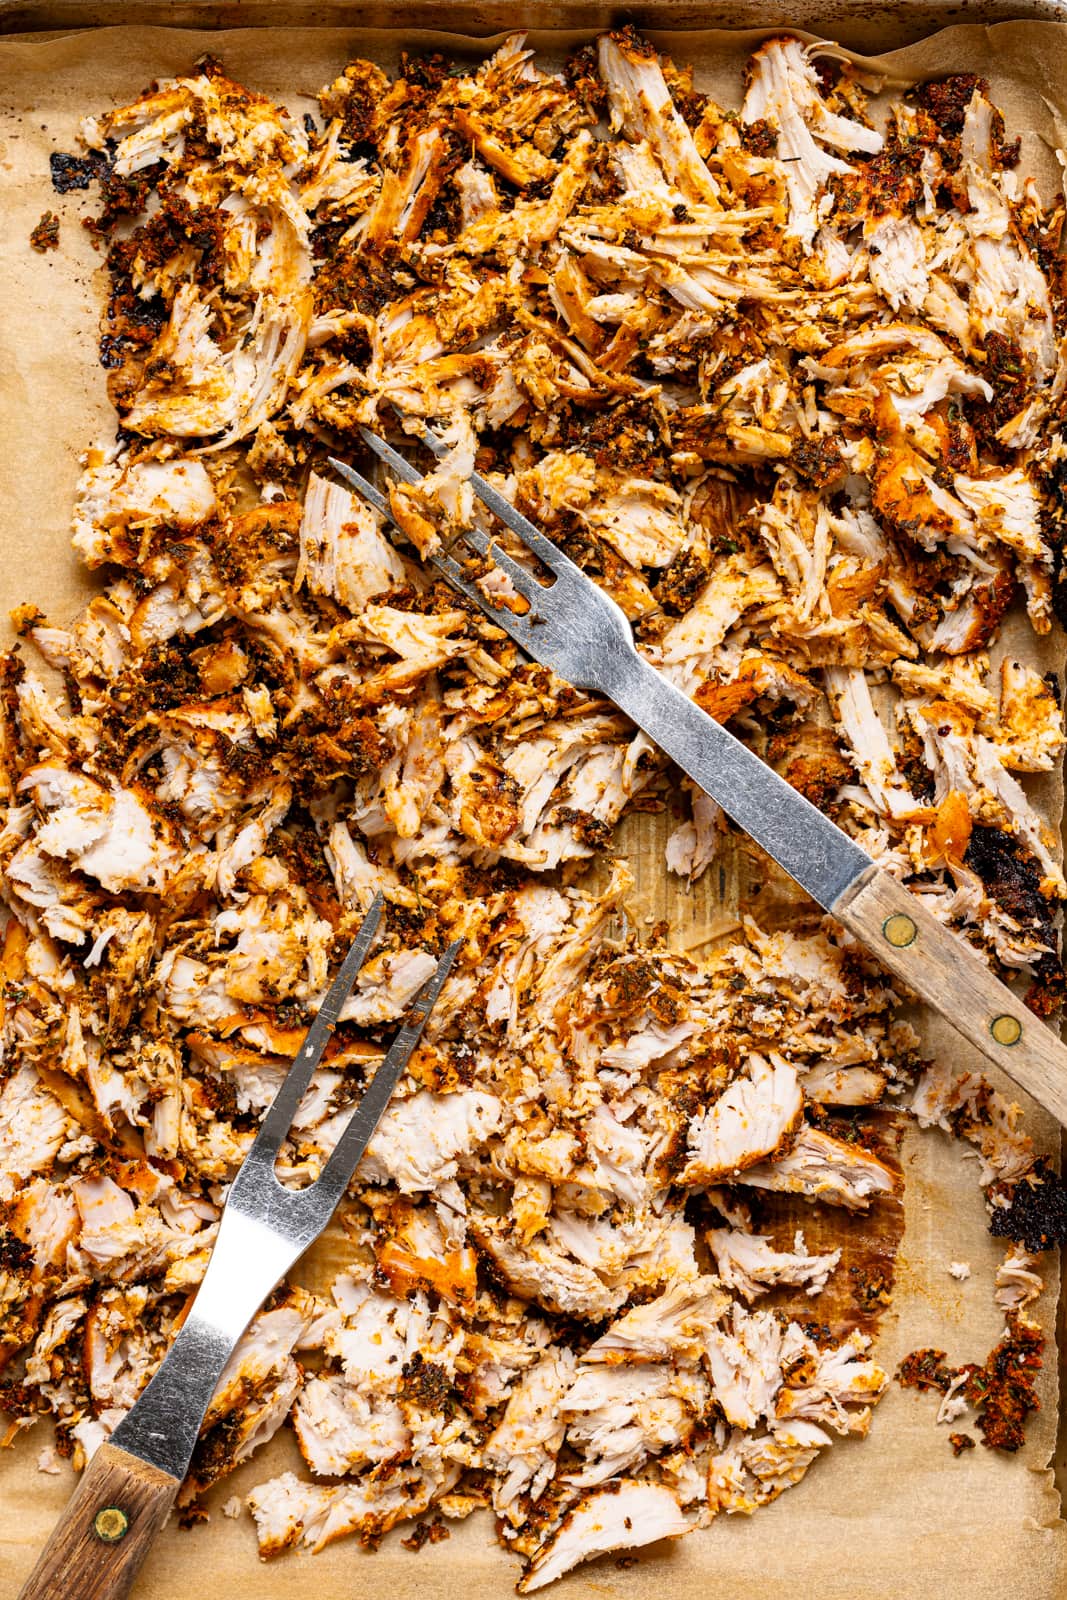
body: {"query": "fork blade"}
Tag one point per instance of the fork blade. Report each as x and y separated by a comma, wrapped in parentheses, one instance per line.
(532, 537)
(534, 540)
(346, 1154)
(518, 628)
(522, 579)
(276, 1123)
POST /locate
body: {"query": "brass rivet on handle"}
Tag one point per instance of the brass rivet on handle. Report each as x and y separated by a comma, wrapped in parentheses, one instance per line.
(111, 1524)
(1006, 1030)
(899, 929)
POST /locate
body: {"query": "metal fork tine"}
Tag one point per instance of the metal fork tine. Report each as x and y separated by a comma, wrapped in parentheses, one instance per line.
(349, 1148)
(391, 457)
(534, 540)
(519, 628)
(372, 495)
(283, 1108)
(524, 581)
(522, 578)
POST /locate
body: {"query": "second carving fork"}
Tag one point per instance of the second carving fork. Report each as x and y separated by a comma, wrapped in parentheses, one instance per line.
(129, 1486)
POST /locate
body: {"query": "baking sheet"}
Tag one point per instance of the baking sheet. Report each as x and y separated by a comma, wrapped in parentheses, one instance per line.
(894, 1516)
(860, 24)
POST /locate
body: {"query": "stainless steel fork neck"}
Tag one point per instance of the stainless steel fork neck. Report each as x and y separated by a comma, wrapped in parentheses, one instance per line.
(248, 1261)
(811, 848)
(258, 1194)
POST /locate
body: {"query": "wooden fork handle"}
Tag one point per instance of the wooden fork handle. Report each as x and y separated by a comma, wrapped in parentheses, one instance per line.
(944, 971)
(96, 1548)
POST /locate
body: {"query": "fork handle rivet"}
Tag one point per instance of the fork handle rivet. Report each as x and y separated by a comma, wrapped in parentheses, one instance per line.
(900, 930)
(111, 1524)
(1006, 1030)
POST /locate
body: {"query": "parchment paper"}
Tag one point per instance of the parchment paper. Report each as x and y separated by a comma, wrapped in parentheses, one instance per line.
(892, 1518)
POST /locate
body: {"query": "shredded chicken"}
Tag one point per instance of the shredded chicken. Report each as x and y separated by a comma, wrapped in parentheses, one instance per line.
(787, 385)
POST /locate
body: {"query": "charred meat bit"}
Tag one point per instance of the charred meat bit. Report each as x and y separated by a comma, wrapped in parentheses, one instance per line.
(1031, 1210)
(45, 234)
